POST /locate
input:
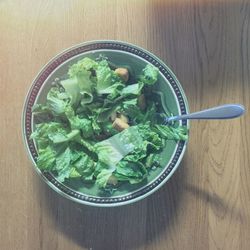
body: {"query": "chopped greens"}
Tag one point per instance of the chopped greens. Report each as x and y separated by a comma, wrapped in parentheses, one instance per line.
(99, 127)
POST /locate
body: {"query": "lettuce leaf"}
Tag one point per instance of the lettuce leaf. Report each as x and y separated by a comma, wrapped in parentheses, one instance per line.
(66, 165)
(78, 123)
(85, 166)
(85, 64)
(150, 75)
(46, 158)
(72, 89)
(130, 171)
(172, 133)
(132, 89)
(112, 150)
(103, 177)
(86, 97)
(131, 109)
(39, 108)
(81, 84)
(60, 137)
(44, 132)
(63, 165)
(55, 102)
(84, 82)
(105, 76)
(152, 160)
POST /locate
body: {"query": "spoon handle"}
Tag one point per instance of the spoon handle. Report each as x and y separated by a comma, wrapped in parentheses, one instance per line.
(227, 111)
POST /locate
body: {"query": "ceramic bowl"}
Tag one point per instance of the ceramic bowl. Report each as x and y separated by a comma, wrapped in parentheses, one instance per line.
(172, 97)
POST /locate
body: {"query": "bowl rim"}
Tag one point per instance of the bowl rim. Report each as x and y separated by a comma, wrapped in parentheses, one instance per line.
(60, 187)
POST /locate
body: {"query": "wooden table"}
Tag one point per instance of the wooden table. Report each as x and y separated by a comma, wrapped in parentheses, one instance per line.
(206, 204)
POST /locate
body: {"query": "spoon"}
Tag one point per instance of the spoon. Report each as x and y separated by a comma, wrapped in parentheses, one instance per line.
(227, 111)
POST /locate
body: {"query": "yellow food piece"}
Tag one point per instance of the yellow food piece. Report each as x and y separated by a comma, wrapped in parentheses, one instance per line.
(122, 73)
(119, 124)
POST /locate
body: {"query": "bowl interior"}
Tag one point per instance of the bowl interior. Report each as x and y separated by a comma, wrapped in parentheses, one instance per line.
(163, 93)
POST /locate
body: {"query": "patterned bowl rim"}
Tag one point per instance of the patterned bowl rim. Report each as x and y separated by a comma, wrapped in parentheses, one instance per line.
(51, 66)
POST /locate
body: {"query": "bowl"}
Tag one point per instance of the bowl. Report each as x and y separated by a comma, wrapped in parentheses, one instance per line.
(172, 97)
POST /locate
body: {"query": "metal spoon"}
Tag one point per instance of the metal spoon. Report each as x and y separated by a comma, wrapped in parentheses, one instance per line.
(227, 111)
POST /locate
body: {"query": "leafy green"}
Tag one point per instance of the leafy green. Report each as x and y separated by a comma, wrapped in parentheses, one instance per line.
(172, 133)
(103, 177)
(115, 88)
(82, 124)
(44, 133)
(150, 114)
(63, 165)
(72, 89)
(131, 109)
(84, 64)
(74, 131)
(85, 166)
(133, 89)
(152, 160)
(85, 82)
(60, 137)
(112, 150)
(39, 108)
(130, 171)
(46, 158)
(150, 74)
(86, 97)
(105, 76)
(55, 102)
(81, 84)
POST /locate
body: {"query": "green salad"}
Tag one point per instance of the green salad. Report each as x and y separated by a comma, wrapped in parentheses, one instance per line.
(100, 124)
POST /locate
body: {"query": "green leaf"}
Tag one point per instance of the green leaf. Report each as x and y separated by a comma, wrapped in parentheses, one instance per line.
(86, 97)
(150, 114)
(172, 133)
(44, 131)
(152, 160)
(84, 81)
(59, 137)
(63, 165)
(72, 89)
(105, 76)
(96, 127)
(82, 65)
(105, 113)
(103, 177)
(150, 74)
(74, 173)
(150, 142)
(78, 123)
(130, 171)
(75, 155)
(63, 160)
(129, 103)
(87, 145)
(108, 129)
(138, 154)
(40, 108)
(85, 166)
(133, 89)
(112, 150)
(55, 102)
(46, 159)
(131, 109)
(116, 87)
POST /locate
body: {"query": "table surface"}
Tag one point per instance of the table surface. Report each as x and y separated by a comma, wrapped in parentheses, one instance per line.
(206, 204)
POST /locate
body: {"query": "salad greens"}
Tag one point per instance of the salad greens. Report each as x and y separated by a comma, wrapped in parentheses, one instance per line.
(100, 127)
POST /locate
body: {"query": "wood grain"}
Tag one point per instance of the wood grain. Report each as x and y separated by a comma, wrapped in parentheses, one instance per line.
(206, 204)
